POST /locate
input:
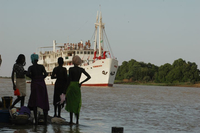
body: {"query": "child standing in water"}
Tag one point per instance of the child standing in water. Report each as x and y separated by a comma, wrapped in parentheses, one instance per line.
(18, 69)
(73, 93)
(60, 74)
(38, 96)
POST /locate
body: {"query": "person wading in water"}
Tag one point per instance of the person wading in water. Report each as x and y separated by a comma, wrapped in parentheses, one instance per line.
(73, 94)
(60, 74)
(38, 96)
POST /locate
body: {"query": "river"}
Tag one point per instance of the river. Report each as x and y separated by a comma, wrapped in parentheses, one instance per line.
(136, 108)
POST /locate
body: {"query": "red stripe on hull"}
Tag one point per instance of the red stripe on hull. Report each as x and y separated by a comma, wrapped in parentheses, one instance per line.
(109, 85)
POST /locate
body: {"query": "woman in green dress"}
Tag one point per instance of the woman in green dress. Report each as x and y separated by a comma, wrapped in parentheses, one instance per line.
(73, 94)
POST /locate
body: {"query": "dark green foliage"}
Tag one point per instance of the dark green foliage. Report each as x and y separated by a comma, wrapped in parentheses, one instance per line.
(179, 71)
(136, 71)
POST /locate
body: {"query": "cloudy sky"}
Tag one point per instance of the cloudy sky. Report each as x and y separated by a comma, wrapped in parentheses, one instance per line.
(151, 31)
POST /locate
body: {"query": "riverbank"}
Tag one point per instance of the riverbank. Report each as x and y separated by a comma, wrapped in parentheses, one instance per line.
(182, 84)
(126, 82)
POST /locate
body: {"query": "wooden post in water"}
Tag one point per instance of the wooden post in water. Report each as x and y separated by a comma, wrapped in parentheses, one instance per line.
(117, 130)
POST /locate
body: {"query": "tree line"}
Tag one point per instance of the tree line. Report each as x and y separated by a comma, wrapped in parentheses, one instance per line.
(179, 71)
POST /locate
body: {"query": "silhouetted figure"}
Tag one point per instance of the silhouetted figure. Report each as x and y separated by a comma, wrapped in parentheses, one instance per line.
(38, 96)
(73, 93)
(18, 70)
(60, 74)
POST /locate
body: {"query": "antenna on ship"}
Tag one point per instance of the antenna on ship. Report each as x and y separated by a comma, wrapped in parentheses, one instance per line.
(99, 7)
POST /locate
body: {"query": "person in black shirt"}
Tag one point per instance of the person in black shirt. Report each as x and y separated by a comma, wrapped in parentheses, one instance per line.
(60, 74)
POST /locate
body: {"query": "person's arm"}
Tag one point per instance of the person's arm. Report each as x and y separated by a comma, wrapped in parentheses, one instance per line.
(53, 76)
(67, 83)
(88, 77)
(28, 73)
(25, 72)
(44, 72)
(12, 77)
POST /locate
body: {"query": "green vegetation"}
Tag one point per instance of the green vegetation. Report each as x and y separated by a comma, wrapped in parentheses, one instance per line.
(179, 73)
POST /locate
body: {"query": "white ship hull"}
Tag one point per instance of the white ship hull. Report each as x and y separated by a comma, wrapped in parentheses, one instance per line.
(102, 73)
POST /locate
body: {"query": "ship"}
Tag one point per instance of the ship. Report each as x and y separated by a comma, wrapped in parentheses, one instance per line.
(98, 61)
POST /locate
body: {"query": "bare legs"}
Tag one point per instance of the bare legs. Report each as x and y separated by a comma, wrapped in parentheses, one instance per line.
(71, 118)
(77, 119)
(55, 110)
(22, 98)
(35, 116)
(45, 117)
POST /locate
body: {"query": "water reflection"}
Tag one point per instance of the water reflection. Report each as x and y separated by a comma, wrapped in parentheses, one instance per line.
(51, 128)
(57, 129)
(40, 129)
(74, 129)
(20, 131)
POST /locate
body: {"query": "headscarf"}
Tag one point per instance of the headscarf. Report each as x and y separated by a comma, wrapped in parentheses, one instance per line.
(76, 60)
(34, 57)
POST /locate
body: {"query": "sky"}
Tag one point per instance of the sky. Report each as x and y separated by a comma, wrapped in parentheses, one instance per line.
(149, 31)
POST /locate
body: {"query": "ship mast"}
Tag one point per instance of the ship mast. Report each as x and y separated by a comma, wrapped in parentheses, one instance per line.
(96, 26)
(101, 26)
(100, 35)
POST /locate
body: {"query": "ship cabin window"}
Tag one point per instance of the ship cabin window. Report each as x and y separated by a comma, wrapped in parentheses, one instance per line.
(77, 52)
(84, 52)
(88, 52)
(92, 52)
(81, 52)
(66, 57)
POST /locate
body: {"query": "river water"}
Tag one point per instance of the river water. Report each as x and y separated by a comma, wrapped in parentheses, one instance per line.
(138, 109)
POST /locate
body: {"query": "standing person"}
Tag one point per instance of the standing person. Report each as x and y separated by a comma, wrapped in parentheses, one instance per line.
(18, 70)
(60, 74)
(38, 96)
(73, 93)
